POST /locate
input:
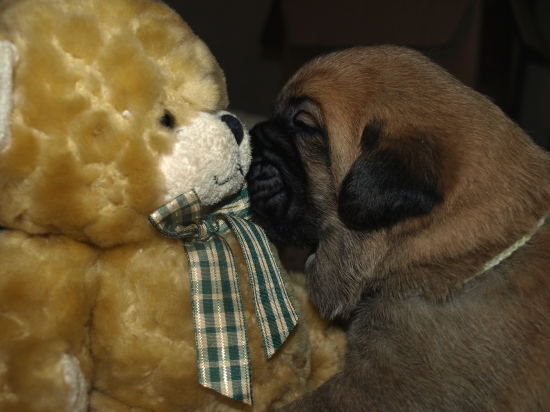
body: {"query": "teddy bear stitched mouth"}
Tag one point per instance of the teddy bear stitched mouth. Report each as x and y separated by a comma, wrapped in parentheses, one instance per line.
(223, 182)
(228, 179)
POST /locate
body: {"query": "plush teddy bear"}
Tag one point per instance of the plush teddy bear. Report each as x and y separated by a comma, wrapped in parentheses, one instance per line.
(126, 244)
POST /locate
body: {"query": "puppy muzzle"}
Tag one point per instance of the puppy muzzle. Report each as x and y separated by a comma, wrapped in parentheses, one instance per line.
(278, 187)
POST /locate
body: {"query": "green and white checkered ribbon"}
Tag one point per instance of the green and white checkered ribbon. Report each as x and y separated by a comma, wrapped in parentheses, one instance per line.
(220, 330)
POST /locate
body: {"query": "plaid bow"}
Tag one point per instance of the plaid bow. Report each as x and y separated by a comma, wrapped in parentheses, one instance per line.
(220, 331)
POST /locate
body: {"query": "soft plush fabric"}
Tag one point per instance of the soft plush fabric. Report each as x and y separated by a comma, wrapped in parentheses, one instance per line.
(116, 109)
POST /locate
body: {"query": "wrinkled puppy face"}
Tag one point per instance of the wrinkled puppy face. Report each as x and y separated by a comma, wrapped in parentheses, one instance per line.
(346, 148)
(278, 177)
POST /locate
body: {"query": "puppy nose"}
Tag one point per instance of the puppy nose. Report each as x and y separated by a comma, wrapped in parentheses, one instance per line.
(235, 126)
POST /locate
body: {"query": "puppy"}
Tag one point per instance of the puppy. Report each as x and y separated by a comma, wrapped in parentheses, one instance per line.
(425, 206)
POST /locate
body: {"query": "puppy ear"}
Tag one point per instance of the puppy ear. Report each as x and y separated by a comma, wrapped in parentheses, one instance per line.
(386, 185)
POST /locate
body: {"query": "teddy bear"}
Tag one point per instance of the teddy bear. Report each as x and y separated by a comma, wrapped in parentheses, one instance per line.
(126, 241)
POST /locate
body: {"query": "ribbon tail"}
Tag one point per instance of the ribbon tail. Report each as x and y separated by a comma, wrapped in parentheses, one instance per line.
(220, 331)
(276, 314)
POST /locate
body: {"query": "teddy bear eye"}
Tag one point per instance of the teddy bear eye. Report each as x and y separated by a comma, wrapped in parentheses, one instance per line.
(168, 120)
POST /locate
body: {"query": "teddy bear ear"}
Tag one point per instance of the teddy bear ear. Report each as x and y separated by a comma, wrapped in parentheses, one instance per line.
(8, 57)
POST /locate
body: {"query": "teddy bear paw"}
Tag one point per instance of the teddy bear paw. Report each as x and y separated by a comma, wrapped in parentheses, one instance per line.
(74, 377)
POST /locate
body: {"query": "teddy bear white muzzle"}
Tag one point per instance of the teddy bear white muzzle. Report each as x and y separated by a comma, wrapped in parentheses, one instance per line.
(221, 171)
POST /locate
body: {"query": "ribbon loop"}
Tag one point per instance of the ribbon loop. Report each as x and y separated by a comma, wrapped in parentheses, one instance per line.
(220, 331)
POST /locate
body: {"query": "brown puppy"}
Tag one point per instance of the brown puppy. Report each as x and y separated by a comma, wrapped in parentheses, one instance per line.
(425, 207)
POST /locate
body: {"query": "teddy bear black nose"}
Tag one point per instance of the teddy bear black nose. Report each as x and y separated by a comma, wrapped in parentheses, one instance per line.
(235, 126)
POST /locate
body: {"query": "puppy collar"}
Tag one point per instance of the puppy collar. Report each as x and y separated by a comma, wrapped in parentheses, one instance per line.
(508, 252)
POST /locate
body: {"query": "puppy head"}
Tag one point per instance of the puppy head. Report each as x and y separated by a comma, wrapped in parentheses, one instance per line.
(340, 145)
(381, 161)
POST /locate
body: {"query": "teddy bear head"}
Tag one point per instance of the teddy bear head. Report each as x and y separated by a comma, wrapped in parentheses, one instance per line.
(108, 110)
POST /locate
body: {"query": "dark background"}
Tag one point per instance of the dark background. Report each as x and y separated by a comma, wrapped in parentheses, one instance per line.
(499, 47)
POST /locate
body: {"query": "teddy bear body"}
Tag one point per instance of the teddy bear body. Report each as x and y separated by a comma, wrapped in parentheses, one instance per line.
(107, 317)
(95, 304)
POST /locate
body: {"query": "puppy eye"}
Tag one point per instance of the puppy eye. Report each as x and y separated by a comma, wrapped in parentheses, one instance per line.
(168, 120)
(305, 120)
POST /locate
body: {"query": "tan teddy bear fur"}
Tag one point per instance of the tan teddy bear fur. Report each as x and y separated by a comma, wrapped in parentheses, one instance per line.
(95, 307)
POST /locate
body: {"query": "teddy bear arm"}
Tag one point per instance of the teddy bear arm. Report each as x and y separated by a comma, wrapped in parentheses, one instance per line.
(46, 295)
